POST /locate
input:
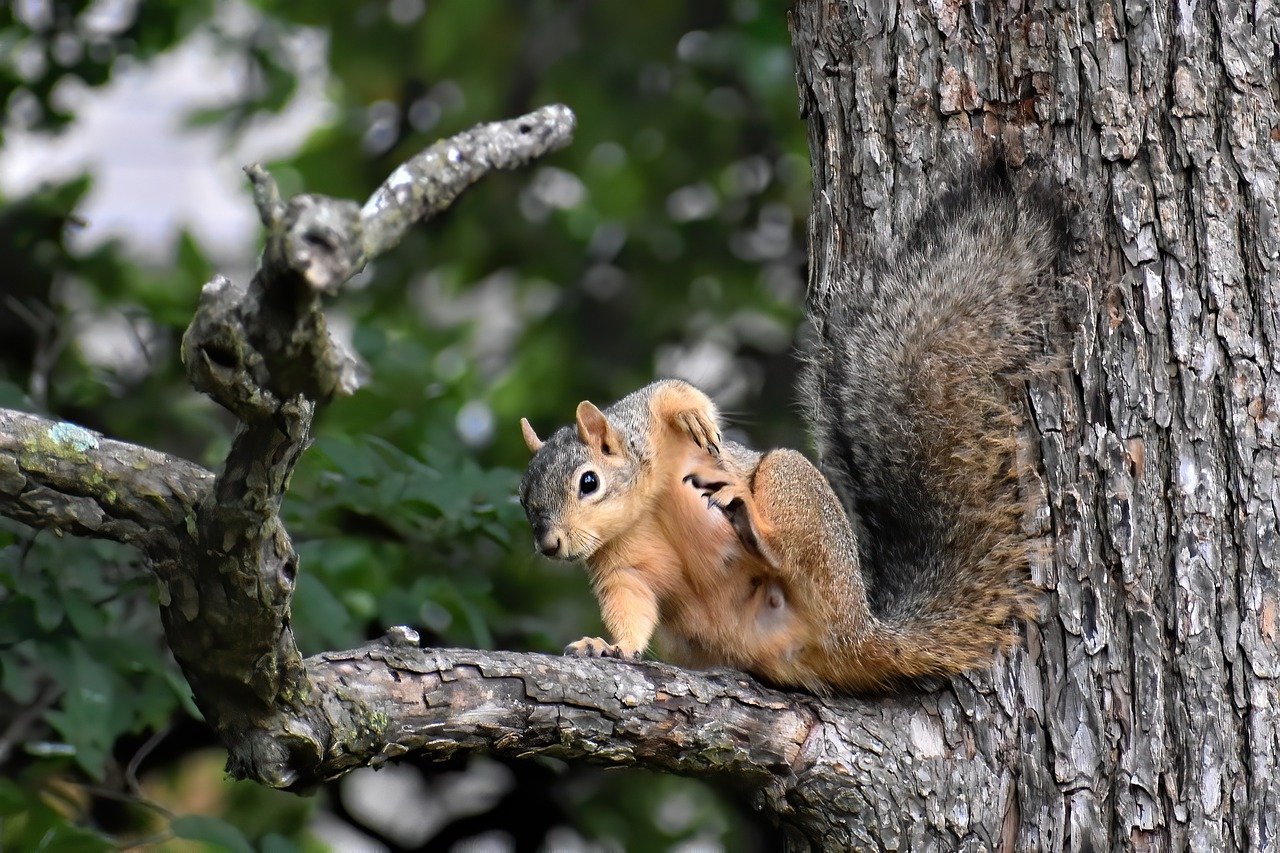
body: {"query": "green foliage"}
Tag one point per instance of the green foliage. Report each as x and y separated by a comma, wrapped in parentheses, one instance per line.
(85, 644)
(211, 831)
(28, 822)
(667, 237)
(403, 508)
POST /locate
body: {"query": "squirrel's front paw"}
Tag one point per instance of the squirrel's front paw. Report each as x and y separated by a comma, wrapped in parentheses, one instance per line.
(594, 647)
(704, 433)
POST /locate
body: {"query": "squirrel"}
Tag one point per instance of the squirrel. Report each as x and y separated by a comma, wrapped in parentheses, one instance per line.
(901, 555)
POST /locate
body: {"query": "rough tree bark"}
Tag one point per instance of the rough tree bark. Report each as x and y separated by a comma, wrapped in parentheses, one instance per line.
(1143, 712)
(1147, 713)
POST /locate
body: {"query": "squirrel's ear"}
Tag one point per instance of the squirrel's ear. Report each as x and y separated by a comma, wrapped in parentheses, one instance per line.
(594, 429)
(531, 439)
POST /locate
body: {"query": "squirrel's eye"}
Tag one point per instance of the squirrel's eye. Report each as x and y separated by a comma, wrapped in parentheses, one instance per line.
(589, 483)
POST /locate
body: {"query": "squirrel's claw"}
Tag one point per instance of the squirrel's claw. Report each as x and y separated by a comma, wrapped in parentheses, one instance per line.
(704, 485)
(704, 433)
(594, 647)
(731, 499)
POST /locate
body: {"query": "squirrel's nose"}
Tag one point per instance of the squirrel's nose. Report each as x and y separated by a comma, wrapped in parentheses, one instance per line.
(546, 538)
(549, 544)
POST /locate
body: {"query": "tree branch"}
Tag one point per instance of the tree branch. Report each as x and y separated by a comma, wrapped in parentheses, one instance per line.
(392, 699)
(847, 774)
(62, 477)
(224, 562)
(432, 181)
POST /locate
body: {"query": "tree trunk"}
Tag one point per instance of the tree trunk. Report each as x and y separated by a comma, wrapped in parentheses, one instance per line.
(1146, 712)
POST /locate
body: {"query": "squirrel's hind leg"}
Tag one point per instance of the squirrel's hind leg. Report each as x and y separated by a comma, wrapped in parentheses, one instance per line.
(734, 499)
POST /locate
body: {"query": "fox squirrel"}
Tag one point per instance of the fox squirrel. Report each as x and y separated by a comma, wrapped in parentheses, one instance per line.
(907, 558)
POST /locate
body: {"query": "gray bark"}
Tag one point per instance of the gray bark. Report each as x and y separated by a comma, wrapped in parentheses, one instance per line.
(1146, 712)
(1143, 711)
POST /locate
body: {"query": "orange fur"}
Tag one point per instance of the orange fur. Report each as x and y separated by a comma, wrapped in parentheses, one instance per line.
(676, 562)
(645, 560)
(671, 564)
(785, 602)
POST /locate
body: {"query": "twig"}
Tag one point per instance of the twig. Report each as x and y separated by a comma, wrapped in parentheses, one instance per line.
(51, 339)
(125, 797)
(131, 771)
(22, 723)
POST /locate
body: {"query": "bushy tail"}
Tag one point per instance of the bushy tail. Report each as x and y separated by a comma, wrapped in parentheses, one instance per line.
(909, 384)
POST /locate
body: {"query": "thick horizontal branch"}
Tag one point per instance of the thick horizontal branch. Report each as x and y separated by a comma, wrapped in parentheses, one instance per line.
(436, 702)
(852, 771)
(61, 477)
(390, 700)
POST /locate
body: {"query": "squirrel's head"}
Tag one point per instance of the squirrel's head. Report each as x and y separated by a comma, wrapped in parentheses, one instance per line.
(575, 490)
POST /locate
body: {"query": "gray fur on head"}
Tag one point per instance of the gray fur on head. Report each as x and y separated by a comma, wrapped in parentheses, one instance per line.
(545, 485)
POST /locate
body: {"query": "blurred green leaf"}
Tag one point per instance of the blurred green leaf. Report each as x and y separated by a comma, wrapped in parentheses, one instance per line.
(86, 617)
(12, 798)
(321, 620)
(90, 717)
(16, 677)
(212, 831)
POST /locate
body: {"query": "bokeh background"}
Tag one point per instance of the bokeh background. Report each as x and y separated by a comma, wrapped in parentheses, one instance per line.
(667, 240)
